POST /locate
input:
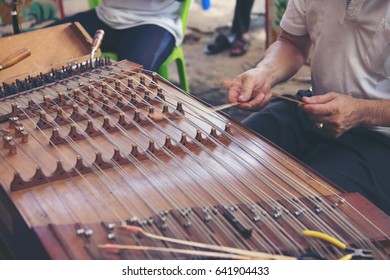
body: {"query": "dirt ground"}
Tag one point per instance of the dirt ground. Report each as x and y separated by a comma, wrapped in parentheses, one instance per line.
(205, 72)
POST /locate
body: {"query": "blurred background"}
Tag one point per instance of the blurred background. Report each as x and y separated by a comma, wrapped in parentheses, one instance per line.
(206, 20)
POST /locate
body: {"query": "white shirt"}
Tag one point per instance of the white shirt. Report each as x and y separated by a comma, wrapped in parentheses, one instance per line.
(122, 14)
(351, 52)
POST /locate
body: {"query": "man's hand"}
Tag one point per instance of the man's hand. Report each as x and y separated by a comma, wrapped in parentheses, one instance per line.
(337, 112)
(251, 89)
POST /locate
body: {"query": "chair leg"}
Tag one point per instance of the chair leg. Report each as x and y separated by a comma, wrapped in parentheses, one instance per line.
(163, 72)
(181, 69)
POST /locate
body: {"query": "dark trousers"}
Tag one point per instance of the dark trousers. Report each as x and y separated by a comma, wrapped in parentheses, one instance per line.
(357, 161)
(242, 17)
(148, 45)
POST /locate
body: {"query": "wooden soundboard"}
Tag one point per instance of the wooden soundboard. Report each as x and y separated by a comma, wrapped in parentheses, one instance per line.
(51, 47)
(114, 162)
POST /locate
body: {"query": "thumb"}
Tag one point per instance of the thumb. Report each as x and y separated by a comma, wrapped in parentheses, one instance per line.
(246, 90)
(318, 99)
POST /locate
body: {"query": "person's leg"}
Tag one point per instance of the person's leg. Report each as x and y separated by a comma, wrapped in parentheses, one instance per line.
(286, 125)
(358, 161)
(148, 45)
(242, 17)
(240, 37)
(238, 31)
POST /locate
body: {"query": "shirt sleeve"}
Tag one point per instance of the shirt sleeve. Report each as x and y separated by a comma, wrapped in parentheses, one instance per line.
(294, 19)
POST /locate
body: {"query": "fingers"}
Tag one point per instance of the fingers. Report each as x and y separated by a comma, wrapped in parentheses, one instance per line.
(260, 101)
(249, 89)
(319, 99)
(319, 105)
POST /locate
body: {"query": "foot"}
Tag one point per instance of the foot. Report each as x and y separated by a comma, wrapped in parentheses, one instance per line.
(240, 45)
(220, 44)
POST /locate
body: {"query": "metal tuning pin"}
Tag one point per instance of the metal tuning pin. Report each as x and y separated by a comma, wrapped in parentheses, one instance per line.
(97, 41)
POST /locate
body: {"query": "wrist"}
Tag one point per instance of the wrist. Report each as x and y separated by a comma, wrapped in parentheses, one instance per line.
(373, 112)
(268, 71)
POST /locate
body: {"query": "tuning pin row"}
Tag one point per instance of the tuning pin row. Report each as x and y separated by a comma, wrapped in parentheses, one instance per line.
(53, 76)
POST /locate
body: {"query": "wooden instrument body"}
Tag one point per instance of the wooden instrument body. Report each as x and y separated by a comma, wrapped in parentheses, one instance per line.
(159, 159)
(51, 47)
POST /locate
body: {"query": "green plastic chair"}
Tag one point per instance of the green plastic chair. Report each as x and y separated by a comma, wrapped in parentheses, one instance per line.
(177, 54)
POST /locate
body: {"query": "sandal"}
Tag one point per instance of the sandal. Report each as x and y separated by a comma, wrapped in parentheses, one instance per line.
(220, 44)
(239, 47)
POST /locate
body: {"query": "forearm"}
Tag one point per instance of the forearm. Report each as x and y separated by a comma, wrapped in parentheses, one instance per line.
(285, 57)
(374, 112)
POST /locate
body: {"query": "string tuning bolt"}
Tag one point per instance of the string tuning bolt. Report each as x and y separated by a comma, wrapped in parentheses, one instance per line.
(80, 231)
(88, 233)
(111, 236)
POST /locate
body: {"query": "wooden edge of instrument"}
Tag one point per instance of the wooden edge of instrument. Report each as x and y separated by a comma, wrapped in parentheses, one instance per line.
(83, 35)
(64, 244)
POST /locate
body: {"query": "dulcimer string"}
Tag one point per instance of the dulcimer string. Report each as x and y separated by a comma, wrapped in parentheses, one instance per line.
(173, 175)
(342, 220)
(79, 151)
(110, 183)
(120, 170)
(38, 164)
(103, 200)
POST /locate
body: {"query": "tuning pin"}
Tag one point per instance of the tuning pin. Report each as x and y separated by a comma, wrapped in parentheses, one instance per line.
(15, 110)
(12, 122)
(20, 132)
(9, 144)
